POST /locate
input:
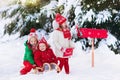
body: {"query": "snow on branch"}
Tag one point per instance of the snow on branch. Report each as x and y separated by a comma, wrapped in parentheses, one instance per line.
(9, 11)
(103, 16)
(88, 16)
(49, 9)
(117, 18)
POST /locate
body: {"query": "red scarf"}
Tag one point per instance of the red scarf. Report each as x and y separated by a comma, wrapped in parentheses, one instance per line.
(66, 33)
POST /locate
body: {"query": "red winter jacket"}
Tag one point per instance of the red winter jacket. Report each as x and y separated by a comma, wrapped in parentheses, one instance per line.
(47, 56)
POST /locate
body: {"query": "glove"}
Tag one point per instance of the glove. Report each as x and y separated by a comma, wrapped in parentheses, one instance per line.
(68, 52)
(34, 66)
(63, 49)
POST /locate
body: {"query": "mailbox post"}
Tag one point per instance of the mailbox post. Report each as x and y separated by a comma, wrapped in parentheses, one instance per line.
(92, 52)
(92, 33)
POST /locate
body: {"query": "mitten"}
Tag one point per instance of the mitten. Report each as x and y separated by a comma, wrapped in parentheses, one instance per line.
(63, 49)
(68, 52)
(34, 66)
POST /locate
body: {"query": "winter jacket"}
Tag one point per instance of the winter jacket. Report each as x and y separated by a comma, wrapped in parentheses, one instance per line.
(58, 41)
(47, 56)
(28, 56)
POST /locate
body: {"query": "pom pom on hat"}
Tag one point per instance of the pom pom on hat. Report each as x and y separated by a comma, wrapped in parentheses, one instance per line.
(32, 34)
(60, 19)
(32, 30)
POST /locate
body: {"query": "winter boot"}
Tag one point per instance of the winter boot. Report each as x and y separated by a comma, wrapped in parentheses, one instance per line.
(46, 67)
(55, 66)
(23, 71)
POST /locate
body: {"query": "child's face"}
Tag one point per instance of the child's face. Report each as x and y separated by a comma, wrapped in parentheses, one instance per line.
(64, 25)
(33, 41)
(42, 47)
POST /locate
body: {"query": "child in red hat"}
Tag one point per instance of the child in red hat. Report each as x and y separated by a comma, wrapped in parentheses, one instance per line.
(44, 57)
(61, 42)
(30, 47)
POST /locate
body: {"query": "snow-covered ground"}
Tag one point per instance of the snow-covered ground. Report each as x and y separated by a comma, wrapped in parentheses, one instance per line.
(5, 2)
(107, 64)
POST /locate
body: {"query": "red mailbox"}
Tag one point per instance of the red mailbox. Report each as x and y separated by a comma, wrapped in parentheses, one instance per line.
(92, 33)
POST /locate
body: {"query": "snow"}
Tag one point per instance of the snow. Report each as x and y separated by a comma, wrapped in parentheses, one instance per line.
(107, 64)
(6, 2)
(111, 40)
(103, 16)
(49, 8)
(78, 10)
(88, 16)
(7, 20)
(68, 6)
(61, 2)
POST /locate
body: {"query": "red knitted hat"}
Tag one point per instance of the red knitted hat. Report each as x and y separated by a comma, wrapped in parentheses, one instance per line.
(60, 19)
(32, 34)
(43, 40)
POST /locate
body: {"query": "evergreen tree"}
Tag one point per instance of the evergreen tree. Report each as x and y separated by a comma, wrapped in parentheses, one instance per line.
(112, 24)
(113, 6)
(99, 5)
(99, 14)
(24, 15)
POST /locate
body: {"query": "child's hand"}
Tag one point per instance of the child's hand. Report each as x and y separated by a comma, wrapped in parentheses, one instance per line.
(34, 66)
(40, 68)
(63, 49)
(68, 52)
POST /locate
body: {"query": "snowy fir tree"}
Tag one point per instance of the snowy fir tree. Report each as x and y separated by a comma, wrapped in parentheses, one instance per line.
(105, 15)
(22, 15)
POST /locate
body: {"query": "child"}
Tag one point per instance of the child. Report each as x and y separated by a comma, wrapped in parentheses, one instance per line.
(61, 41)
(44, 57)
(30, 47)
